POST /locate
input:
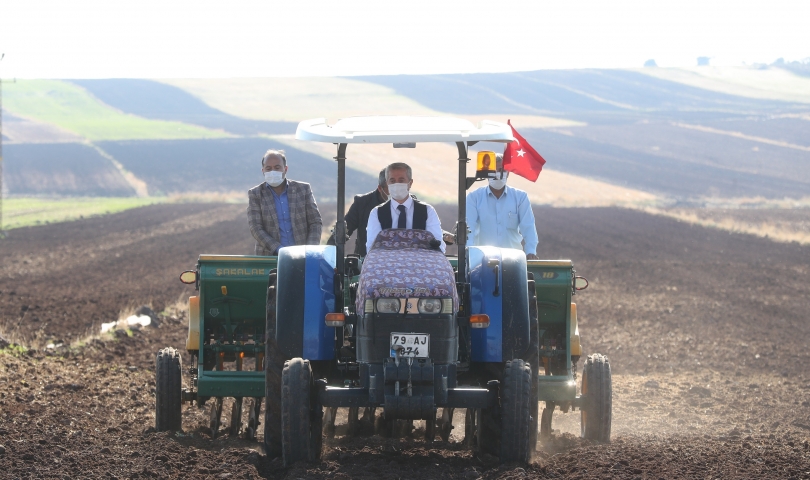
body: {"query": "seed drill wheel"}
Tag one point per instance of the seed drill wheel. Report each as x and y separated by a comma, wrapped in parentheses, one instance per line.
(254, 410)
(236, 417)
(516, 412)
(301, 417)
(168, 390)
(597, 393)
(430, 428)
(273, 364)
(215, 416)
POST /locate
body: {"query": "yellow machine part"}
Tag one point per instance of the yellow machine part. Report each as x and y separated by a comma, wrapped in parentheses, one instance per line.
(576, 347)
(193, 341)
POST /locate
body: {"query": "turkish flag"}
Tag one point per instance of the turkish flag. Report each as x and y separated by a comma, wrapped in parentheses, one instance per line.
(520, 158)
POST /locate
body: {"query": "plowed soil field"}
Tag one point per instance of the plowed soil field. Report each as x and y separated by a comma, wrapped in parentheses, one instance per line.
(707, 334)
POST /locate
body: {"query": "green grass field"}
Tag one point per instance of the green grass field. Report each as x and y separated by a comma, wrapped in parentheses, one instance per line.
(25, 212)
(70, 107)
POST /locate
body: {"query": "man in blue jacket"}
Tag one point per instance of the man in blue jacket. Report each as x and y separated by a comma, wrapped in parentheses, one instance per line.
(501, 216)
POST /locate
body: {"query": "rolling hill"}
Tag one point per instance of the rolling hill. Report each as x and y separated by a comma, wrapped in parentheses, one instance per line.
(656, 135)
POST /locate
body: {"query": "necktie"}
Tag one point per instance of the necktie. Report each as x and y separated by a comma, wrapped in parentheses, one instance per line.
(402, 217)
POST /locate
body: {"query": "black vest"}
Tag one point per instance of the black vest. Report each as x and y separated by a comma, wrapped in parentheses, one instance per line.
(419, 215)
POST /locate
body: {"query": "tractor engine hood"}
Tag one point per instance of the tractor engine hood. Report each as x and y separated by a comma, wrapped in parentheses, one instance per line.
(404, 263)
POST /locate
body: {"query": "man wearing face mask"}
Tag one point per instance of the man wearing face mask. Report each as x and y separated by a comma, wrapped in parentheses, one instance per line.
(501, 216)
(357, 216)
(281, 212)
(402, 210)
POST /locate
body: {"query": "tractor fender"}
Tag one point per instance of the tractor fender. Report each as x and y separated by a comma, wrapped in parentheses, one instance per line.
(508, 334)
(193, 340)
(304, 295)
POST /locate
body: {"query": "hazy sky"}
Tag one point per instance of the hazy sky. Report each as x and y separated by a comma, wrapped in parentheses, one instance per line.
(162, 39)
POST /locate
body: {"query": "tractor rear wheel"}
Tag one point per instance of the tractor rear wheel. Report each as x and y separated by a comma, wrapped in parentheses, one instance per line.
(533, 358)
(300, 431)
(168, 390)
(516, 412)
(597, 392)
(273, 364)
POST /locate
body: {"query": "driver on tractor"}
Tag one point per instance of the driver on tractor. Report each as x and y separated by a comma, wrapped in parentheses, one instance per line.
(403, 211)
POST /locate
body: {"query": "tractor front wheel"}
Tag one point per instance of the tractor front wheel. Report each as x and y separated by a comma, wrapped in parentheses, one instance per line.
(273, 364)
(516, 412)
(597, 393)
(168, 390)
(300, 429)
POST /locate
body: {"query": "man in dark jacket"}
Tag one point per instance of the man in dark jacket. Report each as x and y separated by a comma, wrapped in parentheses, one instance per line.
(357, 216)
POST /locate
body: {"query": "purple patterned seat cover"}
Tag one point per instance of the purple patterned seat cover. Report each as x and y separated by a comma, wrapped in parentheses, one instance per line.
(401, 263)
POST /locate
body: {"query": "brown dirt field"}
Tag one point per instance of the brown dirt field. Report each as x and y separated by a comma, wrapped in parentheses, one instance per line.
(706, 331)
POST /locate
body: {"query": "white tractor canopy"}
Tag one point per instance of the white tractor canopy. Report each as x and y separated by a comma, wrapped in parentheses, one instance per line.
(402, 130)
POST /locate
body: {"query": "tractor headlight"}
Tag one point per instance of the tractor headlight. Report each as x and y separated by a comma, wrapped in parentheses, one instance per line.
(429, 306)
(388, 305)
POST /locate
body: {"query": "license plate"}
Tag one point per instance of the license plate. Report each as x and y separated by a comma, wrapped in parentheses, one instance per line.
(410, 344)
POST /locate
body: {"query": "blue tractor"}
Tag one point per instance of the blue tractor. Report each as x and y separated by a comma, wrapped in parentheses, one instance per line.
(407, 331)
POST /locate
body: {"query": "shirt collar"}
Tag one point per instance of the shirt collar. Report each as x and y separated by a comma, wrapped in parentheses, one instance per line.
(505, 190)
(274, 192)
(408, 203)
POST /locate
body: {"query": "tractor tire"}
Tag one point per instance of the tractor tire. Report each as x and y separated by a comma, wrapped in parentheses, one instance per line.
(533, 359)
(273, 365)
(168, 390)
(300, 432)
(597, 392)
(516, 412)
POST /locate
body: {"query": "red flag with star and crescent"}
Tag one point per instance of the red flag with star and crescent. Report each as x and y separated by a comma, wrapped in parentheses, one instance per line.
(520, 158)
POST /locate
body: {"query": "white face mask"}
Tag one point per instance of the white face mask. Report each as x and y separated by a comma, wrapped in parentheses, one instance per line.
(398, 191)
(498, 183)
(273, 178)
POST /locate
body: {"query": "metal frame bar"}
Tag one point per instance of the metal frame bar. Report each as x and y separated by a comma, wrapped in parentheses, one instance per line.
(340, 228)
